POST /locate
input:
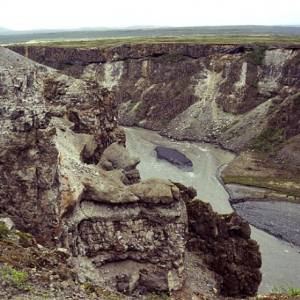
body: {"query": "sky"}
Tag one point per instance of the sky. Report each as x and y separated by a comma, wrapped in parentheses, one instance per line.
(64, 14)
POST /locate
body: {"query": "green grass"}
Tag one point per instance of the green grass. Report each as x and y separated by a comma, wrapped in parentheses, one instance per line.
(256, 57)
(173, 58)
(284, 187)
(253, 84)
(102, 43)
(165, 122)
(14, 277)
(268, 141)
(178, 90)
(4, 231)
(159, 296)
(287, 289)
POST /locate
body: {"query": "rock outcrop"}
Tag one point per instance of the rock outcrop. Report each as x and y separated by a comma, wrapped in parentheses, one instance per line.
(174, 157)
(66, 178)
(225, 244)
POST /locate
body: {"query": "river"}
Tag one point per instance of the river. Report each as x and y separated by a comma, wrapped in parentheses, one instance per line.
(281, 260)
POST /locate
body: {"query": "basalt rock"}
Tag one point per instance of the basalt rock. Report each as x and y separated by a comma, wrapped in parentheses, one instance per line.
(174, 157)
(224, 241)
(66, 178)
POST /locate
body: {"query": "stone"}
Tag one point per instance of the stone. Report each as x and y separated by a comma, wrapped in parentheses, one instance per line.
(174, 157)
(117, 157)
(8, 223)
(66, 178)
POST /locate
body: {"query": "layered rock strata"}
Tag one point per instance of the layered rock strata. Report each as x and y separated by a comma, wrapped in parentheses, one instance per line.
(227, 94)
(67, 179)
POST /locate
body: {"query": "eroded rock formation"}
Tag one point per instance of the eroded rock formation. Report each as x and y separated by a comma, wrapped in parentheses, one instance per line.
(224, 241)
(66, 177)
(57, 185)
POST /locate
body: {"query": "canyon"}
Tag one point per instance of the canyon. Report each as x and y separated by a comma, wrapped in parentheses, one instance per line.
(67, 179)
(224, 94)
(244, 98)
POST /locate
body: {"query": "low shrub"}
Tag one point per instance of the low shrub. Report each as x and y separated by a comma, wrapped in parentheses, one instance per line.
(256, 57)
(159, 296)
(15, 278)
(4, 231)
(174, 57)
(268, 141)
(297, 101)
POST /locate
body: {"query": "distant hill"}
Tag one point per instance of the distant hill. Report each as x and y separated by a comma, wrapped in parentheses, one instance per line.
(4, 30)
(13, 37)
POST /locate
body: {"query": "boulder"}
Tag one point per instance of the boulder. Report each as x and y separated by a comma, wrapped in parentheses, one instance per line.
(174, 157)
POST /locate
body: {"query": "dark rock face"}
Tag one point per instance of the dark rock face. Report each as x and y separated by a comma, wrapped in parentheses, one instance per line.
(31, 121)
(224, 241)
(55, 57)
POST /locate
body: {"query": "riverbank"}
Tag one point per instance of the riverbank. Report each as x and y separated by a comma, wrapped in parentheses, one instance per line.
(255, 170)
(265, 195)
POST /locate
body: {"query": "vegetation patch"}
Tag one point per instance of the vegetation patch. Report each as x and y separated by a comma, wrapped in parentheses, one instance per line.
(253, 84)
(165, 122)
(287, 289)
(4, 231)
(268, 141)
(256, 57)
(160, 296)
(26, 239)
(288, 188)
(91, 288)
(193, 38)
(15, 278)
(297, 101)
(178, 90)
(272, 108)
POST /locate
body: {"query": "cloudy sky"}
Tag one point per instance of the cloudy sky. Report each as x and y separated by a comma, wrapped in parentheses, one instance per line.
(56, 14)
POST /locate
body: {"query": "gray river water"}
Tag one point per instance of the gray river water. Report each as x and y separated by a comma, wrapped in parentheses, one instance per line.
(281, 260)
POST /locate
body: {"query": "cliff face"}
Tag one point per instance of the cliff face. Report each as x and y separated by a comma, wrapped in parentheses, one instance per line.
(219, 93)
(224, 241)
(66, 177)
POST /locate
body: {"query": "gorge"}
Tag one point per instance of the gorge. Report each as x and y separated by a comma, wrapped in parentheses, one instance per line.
(223, 94)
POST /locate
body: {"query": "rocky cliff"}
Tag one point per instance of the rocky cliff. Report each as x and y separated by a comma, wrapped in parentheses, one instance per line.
(227, 94)
(64, 180)
(66, 177)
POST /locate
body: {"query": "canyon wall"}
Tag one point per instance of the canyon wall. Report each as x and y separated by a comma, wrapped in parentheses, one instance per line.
(66, 178)
(228, 94)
